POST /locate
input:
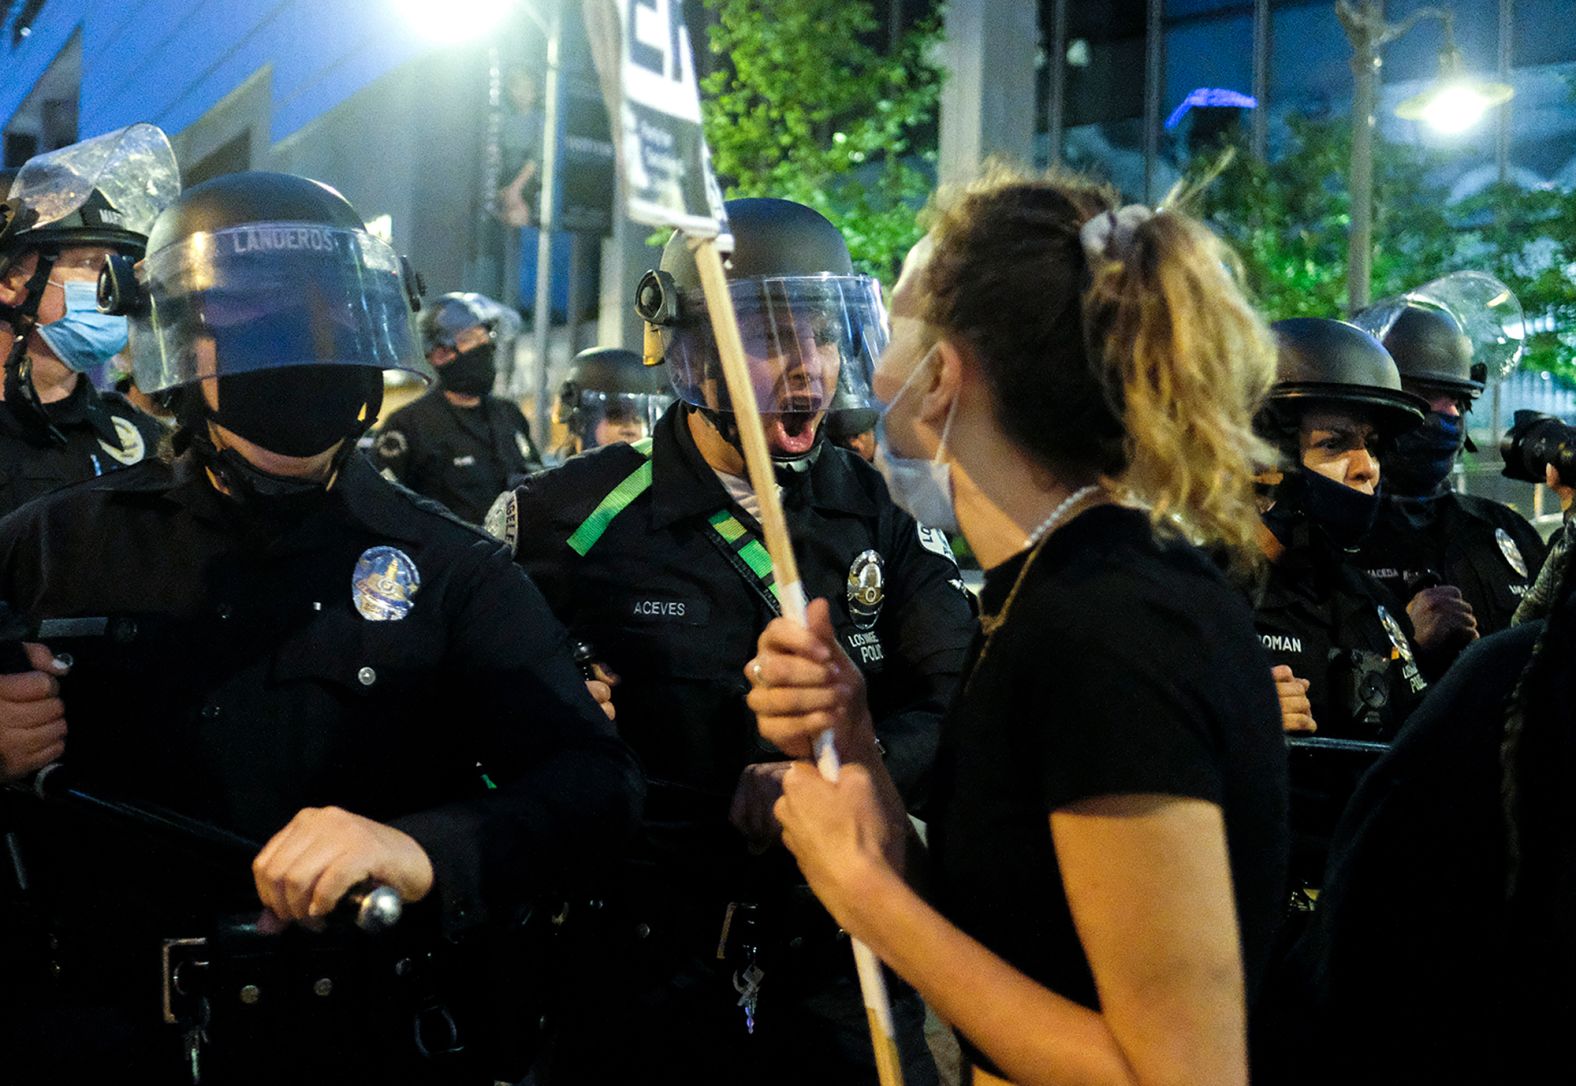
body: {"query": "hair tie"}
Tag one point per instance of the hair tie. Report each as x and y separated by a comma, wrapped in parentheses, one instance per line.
(1110, 236)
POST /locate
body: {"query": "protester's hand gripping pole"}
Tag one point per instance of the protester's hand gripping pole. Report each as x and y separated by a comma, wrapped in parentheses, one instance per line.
(785, 569)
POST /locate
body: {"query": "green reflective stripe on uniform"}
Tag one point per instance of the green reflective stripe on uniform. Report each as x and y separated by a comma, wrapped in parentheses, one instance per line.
(727, 525)
(633, 486)
(750, 549)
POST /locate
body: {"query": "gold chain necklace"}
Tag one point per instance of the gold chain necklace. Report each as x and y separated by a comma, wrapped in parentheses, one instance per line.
(1074, 504)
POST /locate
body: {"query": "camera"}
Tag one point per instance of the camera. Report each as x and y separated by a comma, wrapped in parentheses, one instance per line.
(1535, 440)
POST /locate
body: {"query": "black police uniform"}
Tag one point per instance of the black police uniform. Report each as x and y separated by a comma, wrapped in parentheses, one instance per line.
(376, 655)
(460, 456)
(667, 596)
(1350, 639)
(102, 432)
(1481, 547)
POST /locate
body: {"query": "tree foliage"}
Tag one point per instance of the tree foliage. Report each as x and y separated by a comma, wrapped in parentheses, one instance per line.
(1288, 221)
(810, 103)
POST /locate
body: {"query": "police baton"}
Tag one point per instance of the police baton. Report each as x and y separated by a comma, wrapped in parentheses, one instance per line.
(369, 905)
(785, 569)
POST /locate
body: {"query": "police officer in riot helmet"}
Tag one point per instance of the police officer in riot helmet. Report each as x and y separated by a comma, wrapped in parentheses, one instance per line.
(1335, 411)
(67, 211)
(1462, 562)
(1343, 659)
(609, 395)
(338, 681)
(652, 554)
(459, 444)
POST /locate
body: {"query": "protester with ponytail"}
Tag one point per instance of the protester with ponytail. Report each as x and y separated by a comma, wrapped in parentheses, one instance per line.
(1076, 383)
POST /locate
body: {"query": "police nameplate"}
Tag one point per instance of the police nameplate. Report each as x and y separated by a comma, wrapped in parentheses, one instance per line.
(1512, 553)
(866, 589)
(384, 585)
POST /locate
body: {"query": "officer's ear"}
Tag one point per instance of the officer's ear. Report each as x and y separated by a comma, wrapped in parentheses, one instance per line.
(944, 381)
(13, 284)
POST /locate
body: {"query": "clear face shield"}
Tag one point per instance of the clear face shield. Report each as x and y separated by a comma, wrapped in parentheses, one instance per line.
(132, 168)
(811, 343)
(265, 296)
(604, 418)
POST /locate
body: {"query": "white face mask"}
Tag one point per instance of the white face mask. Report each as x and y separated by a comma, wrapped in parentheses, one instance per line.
(922, 488)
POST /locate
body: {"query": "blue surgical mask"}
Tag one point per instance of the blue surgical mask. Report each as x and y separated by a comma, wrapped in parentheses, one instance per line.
(84, 338)
(922, 488)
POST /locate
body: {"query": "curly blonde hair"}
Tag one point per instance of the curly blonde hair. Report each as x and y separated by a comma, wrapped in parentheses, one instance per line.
(1148, 368)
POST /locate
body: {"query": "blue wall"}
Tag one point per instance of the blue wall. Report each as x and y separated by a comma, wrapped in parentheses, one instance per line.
(169, 62)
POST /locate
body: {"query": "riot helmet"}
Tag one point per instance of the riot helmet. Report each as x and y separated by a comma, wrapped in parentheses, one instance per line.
(1455, 333)
(462, 334)
(610, 395)
(1329, 365)
(812, 328)
(100, 194)
(1331, 362)
(1429, 348)
(265, 297)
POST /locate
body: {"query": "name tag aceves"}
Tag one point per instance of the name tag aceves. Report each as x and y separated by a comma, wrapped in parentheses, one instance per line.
(665, 609)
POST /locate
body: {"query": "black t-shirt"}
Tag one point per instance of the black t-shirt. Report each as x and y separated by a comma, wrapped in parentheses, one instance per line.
(1125, 666)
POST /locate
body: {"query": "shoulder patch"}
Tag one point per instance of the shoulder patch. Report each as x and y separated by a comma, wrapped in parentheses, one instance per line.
(935, 541)
(132, 447)
(503, 520)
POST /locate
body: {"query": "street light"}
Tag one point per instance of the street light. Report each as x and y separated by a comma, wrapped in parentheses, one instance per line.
(1455, 101)
(455, 20)
(1452, 104)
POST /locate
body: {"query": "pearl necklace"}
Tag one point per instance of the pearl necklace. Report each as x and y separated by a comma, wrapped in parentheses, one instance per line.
(989, 624)
(1059, 514)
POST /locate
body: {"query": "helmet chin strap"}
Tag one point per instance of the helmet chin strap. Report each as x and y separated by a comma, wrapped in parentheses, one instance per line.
(21, 395)
(789, 469)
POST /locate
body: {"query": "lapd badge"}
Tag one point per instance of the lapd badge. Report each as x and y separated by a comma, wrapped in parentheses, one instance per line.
(132, 448)
(384, 585)
(865, 589)
(1397, 636)
(503, 519)
(1512, 553)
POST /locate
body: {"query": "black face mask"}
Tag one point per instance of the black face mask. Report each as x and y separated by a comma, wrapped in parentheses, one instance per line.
(1423, 456)
(300, 410)
(470, 373)
(1342, 515)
